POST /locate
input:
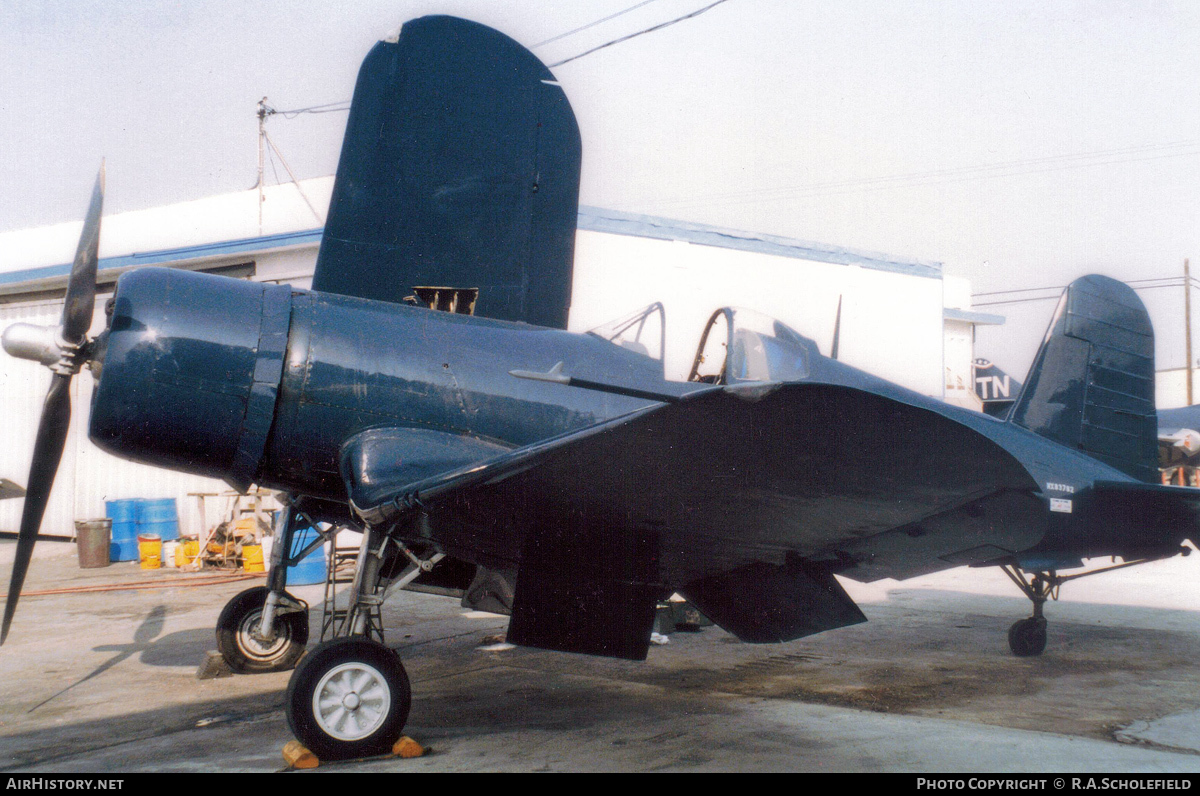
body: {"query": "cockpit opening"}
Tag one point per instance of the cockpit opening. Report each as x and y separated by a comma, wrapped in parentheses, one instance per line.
(736, 345)
(740, 345)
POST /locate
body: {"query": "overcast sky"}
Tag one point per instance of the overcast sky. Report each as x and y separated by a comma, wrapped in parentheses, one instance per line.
(1022, 144)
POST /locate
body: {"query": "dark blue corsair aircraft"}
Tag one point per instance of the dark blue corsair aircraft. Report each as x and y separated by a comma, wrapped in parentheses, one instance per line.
(556, 476)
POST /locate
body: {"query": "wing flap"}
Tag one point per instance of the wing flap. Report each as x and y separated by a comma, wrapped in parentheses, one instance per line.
(763, 603)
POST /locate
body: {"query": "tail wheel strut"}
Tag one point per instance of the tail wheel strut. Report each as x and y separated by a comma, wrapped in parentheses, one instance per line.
(1027, 637)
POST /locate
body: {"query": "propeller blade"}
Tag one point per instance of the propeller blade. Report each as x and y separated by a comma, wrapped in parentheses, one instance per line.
(78, 306)
(47, 451)
(80, 300)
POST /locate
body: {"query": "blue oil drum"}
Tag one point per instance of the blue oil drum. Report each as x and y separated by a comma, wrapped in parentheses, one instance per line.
(123, 513)
(158, 517)
(310, 569)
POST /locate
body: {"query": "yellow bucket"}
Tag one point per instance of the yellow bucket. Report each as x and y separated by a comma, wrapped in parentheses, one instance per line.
(149, 550)
(186, 551)
(252, 558)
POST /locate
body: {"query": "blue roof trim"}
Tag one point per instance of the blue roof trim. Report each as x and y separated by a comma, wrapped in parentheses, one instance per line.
(618, 223)
(978, 318)
(590, 218)
(240, 246)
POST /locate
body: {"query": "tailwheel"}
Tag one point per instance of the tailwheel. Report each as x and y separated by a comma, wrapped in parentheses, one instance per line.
(239, 636)
(348, 698)
(1027, 637)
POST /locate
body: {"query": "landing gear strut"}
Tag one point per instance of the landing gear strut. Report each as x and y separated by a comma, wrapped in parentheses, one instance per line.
(349, 696)
(265, 629)
(1027, 637)
(239, 637)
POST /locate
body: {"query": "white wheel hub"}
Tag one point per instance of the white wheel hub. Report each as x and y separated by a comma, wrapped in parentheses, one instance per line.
(351, 701)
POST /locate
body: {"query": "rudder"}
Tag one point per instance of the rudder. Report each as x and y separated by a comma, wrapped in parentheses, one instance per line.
(459, 168)
(1091, 386)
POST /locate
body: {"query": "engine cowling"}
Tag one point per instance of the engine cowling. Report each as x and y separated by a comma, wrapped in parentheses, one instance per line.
(191, 371)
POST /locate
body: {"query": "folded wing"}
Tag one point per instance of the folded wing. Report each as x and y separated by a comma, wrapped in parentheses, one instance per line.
(702, 495)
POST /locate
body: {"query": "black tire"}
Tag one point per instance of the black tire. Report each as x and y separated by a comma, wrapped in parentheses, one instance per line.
(242, 652)
(367, 677)
(1027, 637)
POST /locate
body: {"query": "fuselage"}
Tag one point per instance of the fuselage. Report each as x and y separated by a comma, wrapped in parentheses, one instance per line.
(259, 383)
(256, 383)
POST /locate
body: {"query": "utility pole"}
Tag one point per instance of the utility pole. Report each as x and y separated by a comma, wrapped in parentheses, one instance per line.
(1187, 325)
(264, 141)
(263, 112)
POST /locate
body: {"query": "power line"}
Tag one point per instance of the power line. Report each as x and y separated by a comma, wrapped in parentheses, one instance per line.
(1176, 284)
(942, 176)
(659, 26)
(1176, 279)
(592, 24)
(274, 149)
(330, 107)
(920, 175)
(344, 105)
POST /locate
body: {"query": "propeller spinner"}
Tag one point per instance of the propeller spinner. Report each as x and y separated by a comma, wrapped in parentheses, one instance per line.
(63, 349)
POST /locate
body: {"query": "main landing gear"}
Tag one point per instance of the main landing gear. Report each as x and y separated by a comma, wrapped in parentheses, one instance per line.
(241, 641)
(349, 696)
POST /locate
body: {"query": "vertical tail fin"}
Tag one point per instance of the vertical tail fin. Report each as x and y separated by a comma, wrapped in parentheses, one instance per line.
(460, 169)
(1091, 386)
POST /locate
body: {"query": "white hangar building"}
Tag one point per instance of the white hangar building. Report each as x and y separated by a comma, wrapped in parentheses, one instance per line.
(901, 319)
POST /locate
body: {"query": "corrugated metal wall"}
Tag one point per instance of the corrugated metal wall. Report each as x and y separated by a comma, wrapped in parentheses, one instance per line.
(87, 476)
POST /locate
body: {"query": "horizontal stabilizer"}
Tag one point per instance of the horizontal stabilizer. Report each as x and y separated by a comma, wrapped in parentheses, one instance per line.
(1141, 520)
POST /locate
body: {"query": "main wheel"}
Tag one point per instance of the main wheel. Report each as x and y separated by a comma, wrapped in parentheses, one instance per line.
(244, 653)
(348, 698)
(1027, 637)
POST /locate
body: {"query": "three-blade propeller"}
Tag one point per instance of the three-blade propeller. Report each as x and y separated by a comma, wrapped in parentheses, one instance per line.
(63, 349)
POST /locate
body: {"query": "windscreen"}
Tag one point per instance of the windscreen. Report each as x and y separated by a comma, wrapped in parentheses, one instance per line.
(642, 332)
(764, 349)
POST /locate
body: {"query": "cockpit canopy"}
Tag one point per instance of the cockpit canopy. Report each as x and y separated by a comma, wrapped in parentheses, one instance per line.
(643, 332)
(740, 345)
(736, 345)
